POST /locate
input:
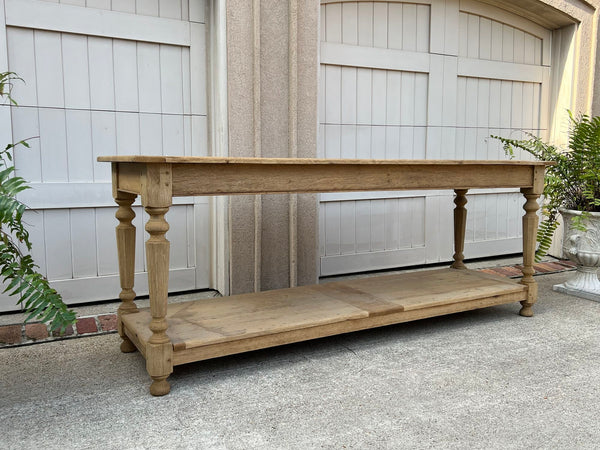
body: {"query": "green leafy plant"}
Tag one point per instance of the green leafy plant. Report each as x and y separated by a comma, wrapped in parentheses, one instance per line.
(573, 182)
(17, 269)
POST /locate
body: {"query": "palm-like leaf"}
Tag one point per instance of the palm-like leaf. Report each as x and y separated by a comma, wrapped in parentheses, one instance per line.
(17, 270)
(573, 182)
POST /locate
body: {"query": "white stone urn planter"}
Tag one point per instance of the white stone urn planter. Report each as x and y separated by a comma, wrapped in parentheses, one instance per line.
(583, 248)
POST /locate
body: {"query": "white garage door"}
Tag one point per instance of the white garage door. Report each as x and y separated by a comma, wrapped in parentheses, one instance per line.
(129, 80)
(424, 80)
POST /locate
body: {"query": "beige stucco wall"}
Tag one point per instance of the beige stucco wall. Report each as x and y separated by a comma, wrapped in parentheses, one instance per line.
(272, 94)
(272, 78)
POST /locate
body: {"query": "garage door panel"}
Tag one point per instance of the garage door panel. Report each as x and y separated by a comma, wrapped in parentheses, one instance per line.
(398, 26)
(395, 100)
(135, 85)
(367, 226)
(173, 9)
(484, 38)
(378, 142)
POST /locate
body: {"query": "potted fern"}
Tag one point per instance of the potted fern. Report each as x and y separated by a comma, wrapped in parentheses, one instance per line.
(18, 271)
(572, 189)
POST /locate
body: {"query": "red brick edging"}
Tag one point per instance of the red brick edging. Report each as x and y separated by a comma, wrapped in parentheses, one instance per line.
(35, 332)
(32, 333)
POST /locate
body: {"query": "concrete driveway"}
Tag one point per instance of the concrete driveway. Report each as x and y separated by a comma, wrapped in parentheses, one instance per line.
(477, 380)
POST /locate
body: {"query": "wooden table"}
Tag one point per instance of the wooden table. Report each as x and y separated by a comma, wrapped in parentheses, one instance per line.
(168, 335)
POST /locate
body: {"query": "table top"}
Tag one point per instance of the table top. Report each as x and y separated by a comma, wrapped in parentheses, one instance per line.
(185, 175)
(309, 161)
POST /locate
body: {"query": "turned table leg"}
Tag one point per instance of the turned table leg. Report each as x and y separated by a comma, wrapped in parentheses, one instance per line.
(126, 250)
(530, 224)
(460, 223)
(159, 350)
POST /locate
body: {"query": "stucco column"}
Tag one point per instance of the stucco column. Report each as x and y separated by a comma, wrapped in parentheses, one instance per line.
(272, 51)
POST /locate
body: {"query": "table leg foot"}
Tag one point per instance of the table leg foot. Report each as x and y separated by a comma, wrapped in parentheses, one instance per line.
(526, 309)
(160, 386)
(127, 346)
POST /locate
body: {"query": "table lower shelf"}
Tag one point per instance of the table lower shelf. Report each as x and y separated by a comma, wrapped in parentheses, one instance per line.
(209, 328)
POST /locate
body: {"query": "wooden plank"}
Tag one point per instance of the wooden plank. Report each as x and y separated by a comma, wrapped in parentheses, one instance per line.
(122, 6)
(105, 238)
(393, 97)
(197, 11)
(58, 244)
(348, 141)
(128, 133)
(395, 26)
(409, 27)
(151, 134)
(333, 23)
(377, 225)
(438, 26)
(218, 320)
(496, 41)
(375, 306)
(25, 124)
(378, 102)
(48, 62)
(380, 25)
(76, 71)
(100, 4)
(101, 73)
(349, 23)
(53, 145)
(148, 70)
(93, 22)
(362, 233)
(408, 99)
(423, 28)
(333, 91)
(80, 160)
(170, 9)
(198, 71)
(365, 24)
(348, 95)
(172, 135)
(21, 57)
(473, 36)
(347, 227)
(485, 38)
(508, 43)
(83, 233)
(363, 96)
(178, 237)
(332, 228)
(265, 162)
(103, 142)
(333, 141)
(377, 58)
(125, 75)
(451, 27)
(391, 224)
(463, 38)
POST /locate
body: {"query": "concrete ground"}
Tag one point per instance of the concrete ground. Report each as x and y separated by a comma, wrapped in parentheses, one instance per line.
(478, 380)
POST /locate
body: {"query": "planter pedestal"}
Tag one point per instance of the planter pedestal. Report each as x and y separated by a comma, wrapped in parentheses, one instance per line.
(583, 248)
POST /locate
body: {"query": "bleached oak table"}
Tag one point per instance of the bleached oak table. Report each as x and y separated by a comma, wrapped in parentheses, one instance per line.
(168, 335)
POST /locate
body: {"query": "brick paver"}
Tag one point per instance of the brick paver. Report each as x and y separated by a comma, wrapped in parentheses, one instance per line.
(36, 331)
(10, 334)
(86, 325)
